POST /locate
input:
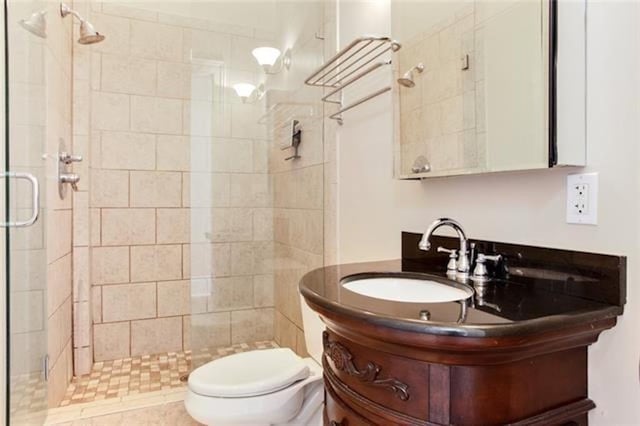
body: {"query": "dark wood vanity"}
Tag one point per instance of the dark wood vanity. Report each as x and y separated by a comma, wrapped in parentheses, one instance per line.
(518, 357)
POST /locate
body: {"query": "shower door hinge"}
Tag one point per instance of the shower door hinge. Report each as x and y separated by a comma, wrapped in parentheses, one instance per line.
(45, 367)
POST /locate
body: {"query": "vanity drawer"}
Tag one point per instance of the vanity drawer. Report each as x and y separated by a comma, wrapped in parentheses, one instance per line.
(391, 383)
(336, 412)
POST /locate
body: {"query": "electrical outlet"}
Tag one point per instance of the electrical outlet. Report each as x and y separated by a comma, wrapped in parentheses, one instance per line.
(582, 199)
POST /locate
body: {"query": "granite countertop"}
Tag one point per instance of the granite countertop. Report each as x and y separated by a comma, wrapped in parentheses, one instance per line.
(508, 308)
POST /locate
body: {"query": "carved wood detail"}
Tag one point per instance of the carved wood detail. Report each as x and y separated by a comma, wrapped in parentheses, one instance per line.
(343, 361)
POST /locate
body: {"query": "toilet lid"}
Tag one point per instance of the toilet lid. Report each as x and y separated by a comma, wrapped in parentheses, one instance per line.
(249, 373)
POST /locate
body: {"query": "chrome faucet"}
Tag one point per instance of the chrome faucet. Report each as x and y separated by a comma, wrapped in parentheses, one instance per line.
(463, 260)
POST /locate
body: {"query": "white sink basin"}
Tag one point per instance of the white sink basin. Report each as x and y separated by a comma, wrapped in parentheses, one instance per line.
(401, 289)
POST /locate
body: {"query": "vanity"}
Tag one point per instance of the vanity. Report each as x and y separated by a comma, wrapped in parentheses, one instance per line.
(514, 352)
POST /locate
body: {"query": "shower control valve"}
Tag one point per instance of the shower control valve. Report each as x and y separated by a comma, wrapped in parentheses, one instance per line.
(67, 158)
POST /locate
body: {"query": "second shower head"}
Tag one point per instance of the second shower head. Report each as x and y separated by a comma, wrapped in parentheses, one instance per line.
(407, 79)
(88, 34)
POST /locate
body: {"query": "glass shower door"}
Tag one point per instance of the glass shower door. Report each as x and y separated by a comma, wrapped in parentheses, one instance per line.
(25, 258)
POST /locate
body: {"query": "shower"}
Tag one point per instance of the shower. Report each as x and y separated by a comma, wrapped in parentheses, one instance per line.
(36, 24)
(88, 34)
(407, 79)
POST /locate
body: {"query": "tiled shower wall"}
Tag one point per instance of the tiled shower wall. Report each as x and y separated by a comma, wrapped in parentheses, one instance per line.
(179, 243)
(303, 190)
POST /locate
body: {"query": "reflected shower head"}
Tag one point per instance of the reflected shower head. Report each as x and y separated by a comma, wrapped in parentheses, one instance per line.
(36, 24)
(88, 34)
(407, 79)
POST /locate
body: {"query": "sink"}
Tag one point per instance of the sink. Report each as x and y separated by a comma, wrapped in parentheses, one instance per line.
(412, 289)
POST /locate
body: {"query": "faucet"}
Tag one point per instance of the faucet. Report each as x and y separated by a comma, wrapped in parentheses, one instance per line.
(463, 260)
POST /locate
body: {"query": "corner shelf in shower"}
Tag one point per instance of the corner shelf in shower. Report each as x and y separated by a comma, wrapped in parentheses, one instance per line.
(359, 58)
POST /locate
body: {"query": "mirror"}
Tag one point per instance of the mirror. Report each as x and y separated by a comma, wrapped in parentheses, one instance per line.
(476, 86)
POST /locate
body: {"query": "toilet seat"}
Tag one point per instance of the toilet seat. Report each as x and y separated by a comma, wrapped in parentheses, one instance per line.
(249, 374)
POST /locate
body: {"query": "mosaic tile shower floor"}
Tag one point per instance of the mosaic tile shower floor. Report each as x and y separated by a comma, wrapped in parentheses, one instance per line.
(149, 373)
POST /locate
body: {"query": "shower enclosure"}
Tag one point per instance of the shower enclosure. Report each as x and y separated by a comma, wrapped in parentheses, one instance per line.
(193, 220)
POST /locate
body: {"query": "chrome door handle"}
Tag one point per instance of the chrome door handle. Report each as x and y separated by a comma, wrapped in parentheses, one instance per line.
(35, 203)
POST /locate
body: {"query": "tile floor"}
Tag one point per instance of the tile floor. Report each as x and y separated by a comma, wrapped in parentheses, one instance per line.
(137, 375)
(137, 391)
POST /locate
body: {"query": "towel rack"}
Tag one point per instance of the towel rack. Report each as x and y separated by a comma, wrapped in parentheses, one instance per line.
(359, 58)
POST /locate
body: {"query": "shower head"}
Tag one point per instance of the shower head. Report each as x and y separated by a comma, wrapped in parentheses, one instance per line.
(407, 79)
(36, 24)
(88, 34)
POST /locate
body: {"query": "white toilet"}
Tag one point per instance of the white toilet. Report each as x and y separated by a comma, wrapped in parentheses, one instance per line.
(262, 387)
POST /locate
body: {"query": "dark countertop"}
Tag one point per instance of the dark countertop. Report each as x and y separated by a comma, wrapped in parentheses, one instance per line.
(510, 308)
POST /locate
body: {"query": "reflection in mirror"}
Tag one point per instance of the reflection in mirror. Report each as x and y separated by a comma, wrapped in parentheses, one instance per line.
(481, 103)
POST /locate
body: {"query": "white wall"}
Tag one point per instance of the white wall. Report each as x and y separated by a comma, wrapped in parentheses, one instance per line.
(525, 207)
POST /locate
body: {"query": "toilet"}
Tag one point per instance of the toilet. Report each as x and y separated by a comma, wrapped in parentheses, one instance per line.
(262, 387)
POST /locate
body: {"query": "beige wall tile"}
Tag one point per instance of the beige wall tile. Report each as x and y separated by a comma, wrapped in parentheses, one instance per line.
(59, 234)
(156, 263)
(231, 293)
(109, 111)
(174, 298)
(249, 258)
(95, 227)
(263, 224)
(156, 115)
(128, 151)
(206, 260)
(231, 225)
(60, 374)
(58, 282)
(208, 45)
(154, 336)
(110, 265)
(81, 324)
(156, 189)
(126, 302)
(59, 326)
(96, 304)
(82, 360)
(206, 189)
(174, 80)
(28, 311)
(109, 188)
(118, 31)
(263, 291)
(207, 330)
(128, 74)
(251, 325)
(81, 282)
(81, 218)
(232, 155)
(173, 226)
(173, 153)
(156, 41)
(250, 190)
(111, 341)
(122, 227)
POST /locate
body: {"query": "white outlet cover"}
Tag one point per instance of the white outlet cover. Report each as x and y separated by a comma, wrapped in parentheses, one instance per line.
(582, 199)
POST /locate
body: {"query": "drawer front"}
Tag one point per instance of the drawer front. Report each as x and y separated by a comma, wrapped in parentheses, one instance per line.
(394, 382)
(336, 413)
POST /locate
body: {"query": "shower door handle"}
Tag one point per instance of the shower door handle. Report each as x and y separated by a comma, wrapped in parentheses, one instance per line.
(35, 192)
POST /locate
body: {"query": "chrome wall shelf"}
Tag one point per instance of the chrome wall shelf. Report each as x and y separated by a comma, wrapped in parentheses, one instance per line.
(359, 58)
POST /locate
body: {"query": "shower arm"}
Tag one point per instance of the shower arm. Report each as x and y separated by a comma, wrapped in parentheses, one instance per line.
(65, 10)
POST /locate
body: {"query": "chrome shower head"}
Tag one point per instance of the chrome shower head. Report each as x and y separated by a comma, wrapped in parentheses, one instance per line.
(36, 24)
(407, 79)
(88, 34)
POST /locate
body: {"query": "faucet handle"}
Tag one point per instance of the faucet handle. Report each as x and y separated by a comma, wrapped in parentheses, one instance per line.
(452, 266)
(480, 271)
